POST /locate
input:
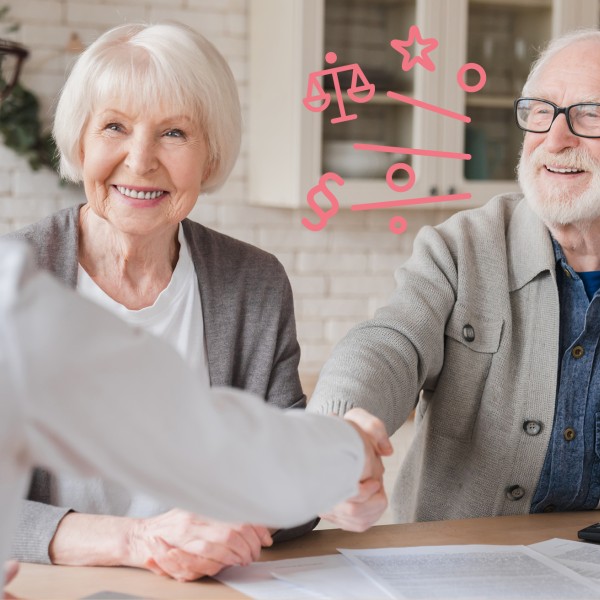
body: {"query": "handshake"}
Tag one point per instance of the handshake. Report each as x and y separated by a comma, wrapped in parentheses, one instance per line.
(364, 509)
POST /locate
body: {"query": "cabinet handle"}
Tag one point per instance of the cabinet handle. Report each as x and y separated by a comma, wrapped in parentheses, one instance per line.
(433, 191)
(451, 190)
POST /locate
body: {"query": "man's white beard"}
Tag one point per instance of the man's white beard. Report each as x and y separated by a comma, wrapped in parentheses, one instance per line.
(557, 205)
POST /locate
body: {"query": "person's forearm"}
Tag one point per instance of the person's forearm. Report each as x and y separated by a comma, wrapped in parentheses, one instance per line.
(92, 540)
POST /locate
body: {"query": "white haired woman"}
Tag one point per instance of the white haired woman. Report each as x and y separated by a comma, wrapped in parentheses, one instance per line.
(148, 119)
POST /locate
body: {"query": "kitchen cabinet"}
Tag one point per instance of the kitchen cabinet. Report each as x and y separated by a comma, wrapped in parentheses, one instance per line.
(290, 147)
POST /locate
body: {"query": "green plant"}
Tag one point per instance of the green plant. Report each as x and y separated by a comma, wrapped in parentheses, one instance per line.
(21, 129)
(11, 27)
(20, 125)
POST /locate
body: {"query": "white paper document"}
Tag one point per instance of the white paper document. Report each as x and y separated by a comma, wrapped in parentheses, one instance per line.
(552, 570)
(332, 575)
(582, 557)
(257, 581)
(471, 571)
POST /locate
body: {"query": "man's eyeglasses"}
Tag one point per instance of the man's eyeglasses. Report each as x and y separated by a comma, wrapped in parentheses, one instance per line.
(537, 116)
(12, 56)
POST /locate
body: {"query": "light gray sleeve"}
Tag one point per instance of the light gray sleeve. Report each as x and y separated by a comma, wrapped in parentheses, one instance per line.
(382, 364)
(36, 528)
(38, 521)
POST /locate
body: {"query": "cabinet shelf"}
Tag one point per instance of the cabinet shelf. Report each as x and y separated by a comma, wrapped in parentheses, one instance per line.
(515, 3)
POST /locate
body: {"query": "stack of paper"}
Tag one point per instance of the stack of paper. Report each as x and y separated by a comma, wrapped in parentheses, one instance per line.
(555, 569)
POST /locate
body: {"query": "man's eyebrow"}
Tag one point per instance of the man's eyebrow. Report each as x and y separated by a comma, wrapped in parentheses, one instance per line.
(582, 100)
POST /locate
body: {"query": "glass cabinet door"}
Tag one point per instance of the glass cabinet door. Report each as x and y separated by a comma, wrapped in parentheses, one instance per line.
(503, 39)
(359, 34)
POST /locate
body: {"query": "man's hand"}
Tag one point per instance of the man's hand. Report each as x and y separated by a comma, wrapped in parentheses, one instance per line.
(361, 511)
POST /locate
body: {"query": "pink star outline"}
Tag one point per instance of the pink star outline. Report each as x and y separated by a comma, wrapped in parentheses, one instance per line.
(408, 62)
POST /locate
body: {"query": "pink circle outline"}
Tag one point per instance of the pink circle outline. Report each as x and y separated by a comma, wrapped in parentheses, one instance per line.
(461, 74)
(398, 225)
(397, 167)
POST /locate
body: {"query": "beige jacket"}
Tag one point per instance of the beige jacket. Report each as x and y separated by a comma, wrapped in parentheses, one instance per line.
(474, 324)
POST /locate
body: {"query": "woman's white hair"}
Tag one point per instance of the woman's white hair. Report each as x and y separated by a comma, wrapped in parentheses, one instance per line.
(165, 64)
(553, 48)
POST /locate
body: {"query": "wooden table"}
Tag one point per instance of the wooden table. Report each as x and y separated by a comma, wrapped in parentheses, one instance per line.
(49, 582)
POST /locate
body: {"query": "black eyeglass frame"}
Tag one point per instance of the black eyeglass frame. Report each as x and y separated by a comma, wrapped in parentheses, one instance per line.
(21, 53)
(557, 111)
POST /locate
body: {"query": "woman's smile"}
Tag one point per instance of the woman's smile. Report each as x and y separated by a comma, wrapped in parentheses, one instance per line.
(139, 197)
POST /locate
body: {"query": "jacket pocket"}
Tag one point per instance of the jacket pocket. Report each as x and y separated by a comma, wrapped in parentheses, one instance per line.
(471, 340)
(486, 332)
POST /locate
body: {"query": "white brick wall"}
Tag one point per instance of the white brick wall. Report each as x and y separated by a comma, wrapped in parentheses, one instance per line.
(339, 275)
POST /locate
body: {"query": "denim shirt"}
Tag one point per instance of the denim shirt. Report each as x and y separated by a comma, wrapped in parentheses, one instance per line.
(570, 478)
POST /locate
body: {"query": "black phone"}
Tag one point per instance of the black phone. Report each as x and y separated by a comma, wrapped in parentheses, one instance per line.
(590, 533)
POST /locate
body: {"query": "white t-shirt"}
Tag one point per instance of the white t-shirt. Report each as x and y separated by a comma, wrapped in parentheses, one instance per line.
(80, 391)
(176, 318)
(176, 315)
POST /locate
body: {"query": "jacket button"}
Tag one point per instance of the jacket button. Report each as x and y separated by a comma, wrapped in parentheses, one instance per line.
(532, 427)
(578, 352)
(569, 434)
(550, 508)
(468, 333)
(515, 492)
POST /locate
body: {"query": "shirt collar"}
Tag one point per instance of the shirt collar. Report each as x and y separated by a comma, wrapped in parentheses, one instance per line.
(560, 258)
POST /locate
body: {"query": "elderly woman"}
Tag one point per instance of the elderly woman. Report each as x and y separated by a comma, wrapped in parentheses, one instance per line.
(148, 119)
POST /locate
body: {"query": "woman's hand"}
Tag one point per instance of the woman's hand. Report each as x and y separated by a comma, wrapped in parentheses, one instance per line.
(185, 546)
(177, 543)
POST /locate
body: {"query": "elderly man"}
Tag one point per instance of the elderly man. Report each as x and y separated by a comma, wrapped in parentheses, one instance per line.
(493, 331)
(222, 463)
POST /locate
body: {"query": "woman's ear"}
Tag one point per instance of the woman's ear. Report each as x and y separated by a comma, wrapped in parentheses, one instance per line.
(81, 152)
(209, 169)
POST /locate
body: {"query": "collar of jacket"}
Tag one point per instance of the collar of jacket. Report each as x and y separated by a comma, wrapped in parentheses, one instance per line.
(529, 247)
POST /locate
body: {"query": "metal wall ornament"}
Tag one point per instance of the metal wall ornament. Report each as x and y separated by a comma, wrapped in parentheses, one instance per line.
(12, 57)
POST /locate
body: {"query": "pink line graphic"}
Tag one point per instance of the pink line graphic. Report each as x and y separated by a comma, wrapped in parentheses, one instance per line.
(409, 201)
(399, 150)
(427, 106)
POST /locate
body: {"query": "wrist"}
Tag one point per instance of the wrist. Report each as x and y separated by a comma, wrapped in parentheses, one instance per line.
(91, 540)
(135, 548)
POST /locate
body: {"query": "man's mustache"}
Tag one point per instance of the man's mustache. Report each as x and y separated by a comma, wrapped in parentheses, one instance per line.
(571, 158)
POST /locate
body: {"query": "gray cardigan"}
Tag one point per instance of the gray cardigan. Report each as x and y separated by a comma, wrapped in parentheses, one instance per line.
(474, 326)
(249, 326)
